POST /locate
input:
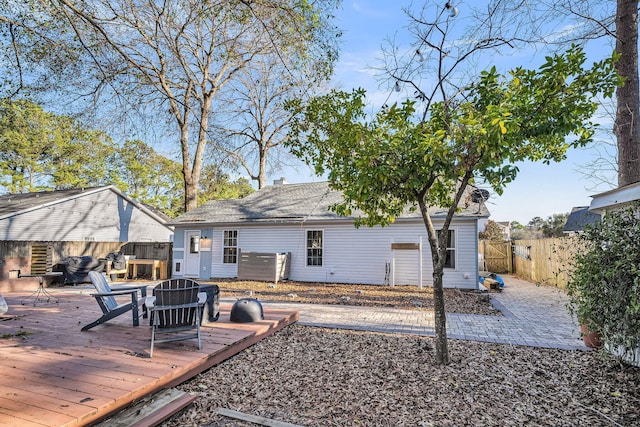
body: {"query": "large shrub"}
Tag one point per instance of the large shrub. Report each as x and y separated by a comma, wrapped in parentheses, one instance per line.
(605, 284)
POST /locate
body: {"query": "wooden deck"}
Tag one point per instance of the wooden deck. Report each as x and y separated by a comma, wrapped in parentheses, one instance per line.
(55, 375)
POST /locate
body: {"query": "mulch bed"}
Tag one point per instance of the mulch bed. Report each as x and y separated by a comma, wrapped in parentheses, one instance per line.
(322, 377)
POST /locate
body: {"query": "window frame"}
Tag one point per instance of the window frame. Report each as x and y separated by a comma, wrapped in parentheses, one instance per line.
(229, 251)
(451, 260)
(314, 254)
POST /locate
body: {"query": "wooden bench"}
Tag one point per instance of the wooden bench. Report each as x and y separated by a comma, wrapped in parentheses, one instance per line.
(110, 270)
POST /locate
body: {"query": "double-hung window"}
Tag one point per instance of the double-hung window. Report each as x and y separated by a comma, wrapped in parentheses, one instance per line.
(230, 247)
(314, 248)
(451, 250)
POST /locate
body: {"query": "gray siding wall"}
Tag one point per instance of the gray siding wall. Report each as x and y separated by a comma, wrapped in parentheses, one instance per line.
(102, 217)
(353, 255)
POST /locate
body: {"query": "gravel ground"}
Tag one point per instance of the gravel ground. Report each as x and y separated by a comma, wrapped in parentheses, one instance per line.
(322, 377)
(403, 297)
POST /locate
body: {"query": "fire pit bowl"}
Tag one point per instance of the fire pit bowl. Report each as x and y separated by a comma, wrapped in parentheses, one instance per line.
(246, 310)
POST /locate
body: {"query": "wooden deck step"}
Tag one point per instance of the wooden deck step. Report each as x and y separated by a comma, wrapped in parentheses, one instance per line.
(151, 411)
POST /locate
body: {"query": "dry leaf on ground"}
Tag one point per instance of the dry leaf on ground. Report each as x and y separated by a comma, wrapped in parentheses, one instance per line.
(322, 377)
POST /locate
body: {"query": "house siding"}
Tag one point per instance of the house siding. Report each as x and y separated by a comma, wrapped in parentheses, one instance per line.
(103, 216)
(350, 255)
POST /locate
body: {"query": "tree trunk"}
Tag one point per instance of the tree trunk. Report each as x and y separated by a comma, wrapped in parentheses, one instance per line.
(262, 171)
(442, 348)
(190, 181)
(437, 258)
(628, 114)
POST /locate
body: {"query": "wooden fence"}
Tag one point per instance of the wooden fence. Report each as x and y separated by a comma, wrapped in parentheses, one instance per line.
(17, 255)
(546, 261)
(61, 250)
(497, 256)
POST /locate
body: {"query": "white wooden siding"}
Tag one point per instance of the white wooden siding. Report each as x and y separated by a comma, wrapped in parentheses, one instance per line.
(102, 217)
(351, 255)
(405, 268)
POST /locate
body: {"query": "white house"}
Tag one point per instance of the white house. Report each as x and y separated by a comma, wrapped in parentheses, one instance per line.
(615, 199)
(35, 227)
(102, 214)
(324, 247)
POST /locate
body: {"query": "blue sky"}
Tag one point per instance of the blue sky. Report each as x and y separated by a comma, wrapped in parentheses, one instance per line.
(539, 190)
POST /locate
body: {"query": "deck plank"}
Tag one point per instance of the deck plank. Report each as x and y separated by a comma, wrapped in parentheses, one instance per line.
(35, 412)
(56, 375)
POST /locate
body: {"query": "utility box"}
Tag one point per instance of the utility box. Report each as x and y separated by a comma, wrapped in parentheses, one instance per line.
(265, 266)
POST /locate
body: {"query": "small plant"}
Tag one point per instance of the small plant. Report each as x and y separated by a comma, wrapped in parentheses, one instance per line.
(604, 285)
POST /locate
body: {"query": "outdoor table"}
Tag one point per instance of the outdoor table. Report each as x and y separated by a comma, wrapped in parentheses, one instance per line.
(41, 291)
(156, 264)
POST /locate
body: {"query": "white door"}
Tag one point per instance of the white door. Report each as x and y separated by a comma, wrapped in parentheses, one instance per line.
(406, 267)
(407, 263)
(192, 253)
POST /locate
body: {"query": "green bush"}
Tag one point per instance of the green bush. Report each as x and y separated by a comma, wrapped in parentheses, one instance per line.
(604, 285)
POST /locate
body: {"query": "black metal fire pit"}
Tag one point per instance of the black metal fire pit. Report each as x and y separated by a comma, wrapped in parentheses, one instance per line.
(246, 310)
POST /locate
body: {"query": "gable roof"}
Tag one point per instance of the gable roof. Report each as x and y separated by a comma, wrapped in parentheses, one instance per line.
(579, 218)
(293, 203)
(14, 204)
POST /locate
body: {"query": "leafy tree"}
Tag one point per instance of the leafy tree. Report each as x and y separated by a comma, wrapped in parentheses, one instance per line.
(24, 144)
(81, 157)
(534, 228)
(492, 231)
(515, 225)
(553, 226)
(150, 177)
(40, 150)
(167, 62)
(216, 185)
(394, 160)
(518, 231)
(536, 222)
(587, 20)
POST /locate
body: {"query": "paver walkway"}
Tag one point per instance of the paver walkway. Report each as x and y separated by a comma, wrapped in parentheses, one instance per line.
(532, 316)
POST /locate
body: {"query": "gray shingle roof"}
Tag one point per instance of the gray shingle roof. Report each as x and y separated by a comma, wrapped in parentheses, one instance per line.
(579, 218)
(14, 203)
(288, 203)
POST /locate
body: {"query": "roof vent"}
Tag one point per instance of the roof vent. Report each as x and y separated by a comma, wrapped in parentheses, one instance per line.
(281, 181)
(479, 196)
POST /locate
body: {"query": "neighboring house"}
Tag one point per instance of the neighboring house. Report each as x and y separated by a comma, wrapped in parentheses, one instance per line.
(324, 247)
(102, 214)
(505, 226)
(616, 198)
(578, 219)
(44, 222)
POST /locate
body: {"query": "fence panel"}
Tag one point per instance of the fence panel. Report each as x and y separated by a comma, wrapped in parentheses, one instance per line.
(497, 256)
(16, 255)
(546, 261)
